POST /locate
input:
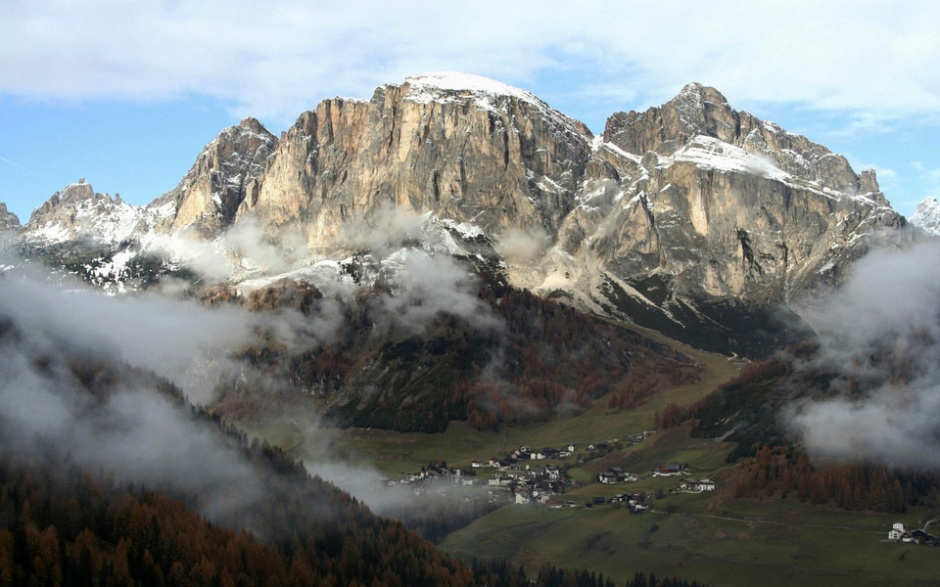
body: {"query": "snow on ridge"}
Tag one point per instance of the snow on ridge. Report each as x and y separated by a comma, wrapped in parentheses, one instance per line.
(711, 153)
(445, 87)
(599, 143)
(422, 87)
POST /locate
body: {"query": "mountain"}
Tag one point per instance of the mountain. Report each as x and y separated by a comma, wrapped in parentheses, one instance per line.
(691, 218)
(927, 216)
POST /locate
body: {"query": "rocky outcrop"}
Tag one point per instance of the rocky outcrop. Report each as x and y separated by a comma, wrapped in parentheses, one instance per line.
(208, 197)
(8, 220)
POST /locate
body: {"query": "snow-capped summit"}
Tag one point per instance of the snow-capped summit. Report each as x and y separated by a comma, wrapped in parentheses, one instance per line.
(428, 86)
(927, 216)
(485, 92)
(77, 212)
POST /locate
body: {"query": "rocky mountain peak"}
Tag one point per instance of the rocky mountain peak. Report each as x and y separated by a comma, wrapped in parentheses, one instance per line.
(78, 212)
(69, 198)
(253, 125)
(701, 111)
(927, 216)
(208, 197)
(695, 110)
(8, 220)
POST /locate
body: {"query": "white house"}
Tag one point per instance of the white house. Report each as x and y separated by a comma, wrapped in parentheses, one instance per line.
(897, 531)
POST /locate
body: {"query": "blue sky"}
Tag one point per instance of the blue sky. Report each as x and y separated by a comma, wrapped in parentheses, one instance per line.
(126, 94)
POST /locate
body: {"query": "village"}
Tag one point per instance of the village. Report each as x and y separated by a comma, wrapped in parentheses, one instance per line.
(523, 477)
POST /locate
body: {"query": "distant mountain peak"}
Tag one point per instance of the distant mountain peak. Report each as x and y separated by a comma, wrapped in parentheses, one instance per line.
(701, 94)
(208, 196)
(927, 216)
(8, 220)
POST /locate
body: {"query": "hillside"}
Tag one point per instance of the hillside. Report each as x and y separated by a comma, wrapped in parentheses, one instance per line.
(517, 359)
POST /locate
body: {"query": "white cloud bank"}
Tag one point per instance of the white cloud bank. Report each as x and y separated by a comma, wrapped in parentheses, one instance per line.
(274, 60)
(883, 329)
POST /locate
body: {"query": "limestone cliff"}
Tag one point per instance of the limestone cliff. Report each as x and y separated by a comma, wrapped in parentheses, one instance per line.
(728, 205)
(462, 147)
(716, 201)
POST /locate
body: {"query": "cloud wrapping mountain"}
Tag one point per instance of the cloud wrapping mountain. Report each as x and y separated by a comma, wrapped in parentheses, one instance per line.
(881, 328)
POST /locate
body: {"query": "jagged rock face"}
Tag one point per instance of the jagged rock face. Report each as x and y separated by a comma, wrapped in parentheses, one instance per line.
(8, 220)
(725, 205)
(927, 216)
(489, 153)
(208, 197)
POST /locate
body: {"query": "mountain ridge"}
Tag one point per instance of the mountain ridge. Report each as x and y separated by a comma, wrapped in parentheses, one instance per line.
(669, 218)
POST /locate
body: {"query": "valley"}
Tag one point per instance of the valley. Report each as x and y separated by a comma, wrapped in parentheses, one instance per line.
(710, 536)
(694, 345)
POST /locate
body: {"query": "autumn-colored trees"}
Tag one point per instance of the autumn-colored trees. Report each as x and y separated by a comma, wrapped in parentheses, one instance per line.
(773, 471)
(542, 358)
(70, 528)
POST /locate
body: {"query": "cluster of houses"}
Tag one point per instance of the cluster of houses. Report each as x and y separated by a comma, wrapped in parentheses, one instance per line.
(527, 482)
(532, 482)
(420, 481)
(541, 483)
(899, 534)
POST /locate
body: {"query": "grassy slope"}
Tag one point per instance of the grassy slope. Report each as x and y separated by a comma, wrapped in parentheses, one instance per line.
(838, 548)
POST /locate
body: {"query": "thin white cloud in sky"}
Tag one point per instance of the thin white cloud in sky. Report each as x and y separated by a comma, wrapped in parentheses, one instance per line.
(867, 63)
